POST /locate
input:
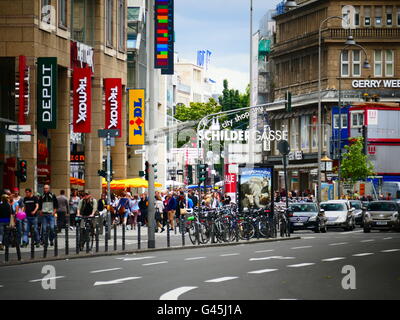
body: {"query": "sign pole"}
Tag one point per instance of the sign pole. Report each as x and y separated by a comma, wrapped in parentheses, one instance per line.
(108, 146)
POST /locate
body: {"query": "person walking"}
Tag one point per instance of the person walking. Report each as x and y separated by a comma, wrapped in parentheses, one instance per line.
(171, 209)
(6, 216)
(123, 208)
(62, 211)
(31, 207)
(48, 206)
(135, 210)
(143, 206)
(73, 207)
(159, 213)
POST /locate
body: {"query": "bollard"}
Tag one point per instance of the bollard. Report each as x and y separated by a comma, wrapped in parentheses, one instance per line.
(32, 243)
(46, 243)
(97, 237)
(138, 230)
(6, 254)
(78, 230)
(87, 236)
(55, 243)
(183, 232)
(196, 228)
(168, 237)
(67, 239)
(123, 236)
(106, 237)
(258, 230)
(212, 233)
(115, 237)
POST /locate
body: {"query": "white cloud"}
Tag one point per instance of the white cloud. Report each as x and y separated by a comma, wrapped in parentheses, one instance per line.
(236, 79)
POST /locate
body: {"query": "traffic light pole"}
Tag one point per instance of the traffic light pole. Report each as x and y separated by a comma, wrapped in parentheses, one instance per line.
(108, 146)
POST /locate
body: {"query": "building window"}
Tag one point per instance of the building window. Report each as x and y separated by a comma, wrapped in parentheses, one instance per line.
(357, 15)
(121, 25)
(109, 23)
(389, 16)
(345, 63)
(305, 133)
(356, 63)
(389, 69)
(378, 63)
(45, 12)
(357, 119)
(62, 13)
(398, 17)
(294, 134)
(367, 16)
(378, 16)
(336, 121)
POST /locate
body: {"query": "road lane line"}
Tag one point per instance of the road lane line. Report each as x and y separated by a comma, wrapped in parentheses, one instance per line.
(271, 257)
(300, 265)
(117, 281)
(221, 279)
(351, 232)
(175, 293)
(338, 244)
(362, 254)
(388, 238)
(229, 254)
(138, 258)
(154, 263)
(370, 240)
(46, 279)
(105, 270)
(333, 259)
(262, 251)
(308, 238)
(262, 271)
(304, 247)
(391, 250)
(194, 258)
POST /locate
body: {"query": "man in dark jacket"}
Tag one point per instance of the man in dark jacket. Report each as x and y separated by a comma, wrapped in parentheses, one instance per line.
(48, 206)
(143, 207)
(171, 209)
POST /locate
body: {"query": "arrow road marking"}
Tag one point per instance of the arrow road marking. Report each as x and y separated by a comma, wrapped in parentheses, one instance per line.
(117, 281)
(221, 279)
(174, 294)
(300, 265)
(334, 259)
(154, 263)
(362, 254)
(53, 278)
(391, 250)
(105, 270)
(262, 271)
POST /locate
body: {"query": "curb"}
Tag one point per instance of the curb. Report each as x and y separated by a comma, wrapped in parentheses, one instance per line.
(120, 252)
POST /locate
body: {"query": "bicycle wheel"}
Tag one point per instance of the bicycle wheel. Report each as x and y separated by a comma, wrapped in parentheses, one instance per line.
(204, 233)
(246, 230)
(264, 228)
(192, 233)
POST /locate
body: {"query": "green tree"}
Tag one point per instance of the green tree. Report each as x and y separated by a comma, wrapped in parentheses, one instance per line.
(196, 110)
(231, 99)
(355, 165)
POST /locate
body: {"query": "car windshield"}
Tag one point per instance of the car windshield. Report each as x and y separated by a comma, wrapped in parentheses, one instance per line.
(382, 206)
(333, 206)
(355, 204)
(304, 207)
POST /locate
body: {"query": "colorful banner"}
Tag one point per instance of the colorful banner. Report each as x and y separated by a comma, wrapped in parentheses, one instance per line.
(164, 36)
(47, 93)
(113, 96)
(136, 117)
(82, 91)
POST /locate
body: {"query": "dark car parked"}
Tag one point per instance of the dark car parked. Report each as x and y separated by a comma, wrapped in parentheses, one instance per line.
(307, 216)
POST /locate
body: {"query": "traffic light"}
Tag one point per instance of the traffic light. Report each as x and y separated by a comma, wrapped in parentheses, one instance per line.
(155, 170)
(288, 103)
(190, 174)
(102, 173)
(202, 173)
(146, 170)
(22, 170)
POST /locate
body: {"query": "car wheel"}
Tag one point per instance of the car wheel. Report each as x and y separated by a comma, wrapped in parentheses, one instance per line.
(367, 230)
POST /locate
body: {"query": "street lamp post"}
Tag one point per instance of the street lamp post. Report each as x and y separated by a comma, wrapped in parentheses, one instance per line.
(365, 66)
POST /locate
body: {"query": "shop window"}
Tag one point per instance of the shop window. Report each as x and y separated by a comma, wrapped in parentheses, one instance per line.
(357, 119)
(389, 61)
(378, 63)
(345, 63)
(336, 121)
(294, 134)
(356, 63)
(305, 133)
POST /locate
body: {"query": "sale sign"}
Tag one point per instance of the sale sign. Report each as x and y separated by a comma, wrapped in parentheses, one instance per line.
(113, 95)
(82, 92)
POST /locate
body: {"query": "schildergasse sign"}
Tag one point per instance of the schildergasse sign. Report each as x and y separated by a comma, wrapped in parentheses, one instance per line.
(243, 135)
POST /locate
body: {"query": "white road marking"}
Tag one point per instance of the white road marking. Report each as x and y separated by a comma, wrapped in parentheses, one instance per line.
(287, 299)
(338, 244)
(350, 232)
(174, 294)
(300, 265)
(370, 240)
(262, 271)
(362, 254)
(52, 278)
(221, 279)
(261, 251)
(117, 281)
(105, 270)
(333, 259)
(229, 254)
(272, 257)
(304, 247)
(1, 286)
(308, 237)
(388, 238)
(194, 258)
(391, 250)
(154, 263)
(138, 258)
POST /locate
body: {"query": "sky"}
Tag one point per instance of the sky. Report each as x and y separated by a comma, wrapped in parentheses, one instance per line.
(223, 27)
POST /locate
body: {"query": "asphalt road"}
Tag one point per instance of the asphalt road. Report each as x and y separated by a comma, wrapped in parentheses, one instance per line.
(310, 268)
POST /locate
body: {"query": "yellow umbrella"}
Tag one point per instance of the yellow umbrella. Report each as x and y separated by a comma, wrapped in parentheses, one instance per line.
(130, 183)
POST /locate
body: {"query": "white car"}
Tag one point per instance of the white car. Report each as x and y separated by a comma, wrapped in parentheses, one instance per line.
(339, 213)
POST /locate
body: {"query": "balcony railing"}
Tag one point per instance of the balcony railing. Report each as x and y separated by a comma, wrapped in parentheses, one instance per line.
(364, 33)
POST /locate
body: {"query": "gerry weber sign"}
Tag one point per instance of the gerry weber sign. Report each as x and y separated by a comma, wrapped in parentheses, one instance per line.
(376, 83)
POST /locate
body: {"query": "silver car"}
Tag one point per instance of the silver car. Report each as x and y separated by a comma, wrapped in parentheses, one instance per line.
(339, 214)
(382, 215)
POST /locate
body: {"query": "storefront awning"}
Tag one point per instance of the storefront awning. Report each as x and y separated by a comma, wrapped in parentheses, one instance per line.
(294, 114)
(298, 166)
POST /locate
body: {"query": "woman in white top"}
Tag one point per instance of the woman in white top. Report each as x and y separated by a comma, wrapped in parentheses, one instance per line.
(159, 213)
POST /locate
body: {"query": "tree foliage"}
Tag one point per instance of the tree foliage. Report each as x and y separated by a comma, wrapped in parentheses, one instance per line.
(196, 110)
(355, 165)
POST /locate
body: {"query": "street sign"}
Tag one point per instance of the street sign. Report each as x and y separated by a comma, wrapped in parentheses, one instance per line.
(112, 142)
(20, 128)
(179, 172)
(140, 151)
(284, 147)
(112, 132)
(22, 138)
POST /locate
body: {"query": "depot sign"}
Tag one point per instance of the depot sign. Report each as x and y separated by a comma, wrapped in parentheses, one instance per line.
(376, 83)
(242, 135)
(82, 88)
(113, 92)
(47, 92)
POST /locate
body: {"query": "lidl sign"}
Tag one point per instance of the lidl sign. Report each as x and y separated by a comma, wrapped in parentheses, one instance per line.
(136, 117)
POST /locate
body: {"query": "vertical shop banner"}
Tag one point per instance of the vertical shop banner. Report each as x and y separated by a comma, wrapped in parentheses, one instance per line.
(113, 97)
(164, 36)
(47, 93)
(82, 92)
(136, 117)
